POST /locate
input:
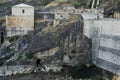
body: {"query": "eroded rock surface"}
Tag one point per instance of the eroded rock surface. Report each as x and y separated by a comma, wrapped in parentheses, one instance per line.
(51, 45)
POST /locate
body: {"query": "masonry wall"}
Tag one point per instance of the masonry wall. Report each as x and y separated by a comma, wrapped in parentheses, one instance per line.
(19, 25)
(20, 21)
(28, 11)
(50, 16)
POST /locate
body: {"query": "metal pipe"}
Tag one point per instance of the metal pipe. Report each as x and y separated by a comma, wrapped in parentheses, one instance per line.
(93, 3)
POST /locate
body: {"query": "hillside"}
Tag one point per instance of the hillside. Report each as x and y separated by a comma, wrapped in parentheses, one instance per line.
(109, 3)
(51, 3)
(62, 47)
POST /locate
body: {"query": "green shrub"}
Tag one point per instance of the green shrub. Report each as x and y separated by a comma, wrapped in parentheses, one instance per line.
(14, 38)
(29, 56)
(8, 48)
(77, 4)
(97, 78)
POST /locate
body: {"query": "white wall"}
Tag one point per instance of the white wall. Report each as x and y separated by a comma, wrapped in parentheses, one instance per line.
(92, 16)
(19, 25)
(108, 26)
(87, 29)
(28, 11)
(108, 37)
(89, 19)
(18, 31)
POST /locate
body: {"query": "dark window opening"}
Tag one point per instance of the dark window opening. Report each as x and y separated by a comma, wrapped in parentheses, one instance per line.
(2, 37)
(23, 11)
(73, 51)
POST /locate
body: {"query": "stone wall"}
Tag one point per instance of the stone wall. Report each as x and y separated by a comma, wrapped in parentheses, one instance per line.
(44, 15)
(19, 25)
(28, 11)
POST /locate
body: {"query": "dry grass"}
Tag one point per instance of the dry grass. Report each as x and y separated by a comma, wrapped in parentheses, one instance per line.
(58, 3)
(71, 19)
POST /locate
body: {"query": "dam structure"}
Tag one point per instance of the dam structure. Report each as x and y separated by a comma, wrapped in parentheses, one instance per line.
(105, 36)
(106, 44)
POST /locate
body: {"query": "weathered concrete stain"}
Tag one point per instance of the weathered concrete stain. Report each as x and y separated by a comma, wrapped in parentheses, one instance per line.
(106, 44)
(21, 21)
(16, 21)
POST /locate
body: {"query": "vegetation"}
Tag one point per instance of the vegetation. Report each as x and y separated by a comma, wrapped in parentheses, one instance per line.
(1, 4)
(81, 3)
(41, 2)
(78, 4)
(75, 3)
(45, 2)
(29, 56)
(97, 78)
(12, 39)
(91, 72)
(8, 48)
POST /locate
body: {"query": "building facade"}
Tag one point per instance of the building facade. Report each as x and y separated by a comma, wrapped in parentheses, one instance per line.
(21, 21)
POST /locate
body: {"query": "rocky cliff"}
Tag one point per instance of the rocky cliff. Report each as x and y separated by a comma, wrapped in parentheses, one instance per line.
(56, 46)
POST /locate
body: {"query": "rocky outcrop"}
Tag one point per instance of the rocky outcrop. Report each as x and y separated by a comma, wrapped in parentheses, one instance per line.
(65, 40)
(55, 46)
(24, 69)
(13, 70)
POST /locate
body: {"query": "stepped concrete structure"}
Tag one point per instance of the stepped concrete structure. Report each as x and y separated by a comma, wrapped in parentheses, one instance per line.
(105, 35)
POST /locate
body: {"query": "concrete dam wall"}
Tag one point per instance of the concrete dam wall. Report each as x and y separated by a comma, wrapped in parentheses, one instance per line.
(105, 35)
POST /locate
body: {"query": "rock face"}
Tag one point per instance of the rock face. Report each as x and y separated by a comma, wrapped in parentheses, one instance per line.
(13, 70)
(55, 46)
(65, 40)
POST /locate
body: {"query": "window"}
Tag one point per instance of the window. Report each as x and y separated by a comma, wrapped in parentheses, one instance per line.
(23, 11)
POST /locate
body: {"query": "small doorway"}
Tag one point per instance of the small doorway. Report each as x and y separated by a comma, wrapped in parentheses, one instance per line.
(2, 37)
(23, 11)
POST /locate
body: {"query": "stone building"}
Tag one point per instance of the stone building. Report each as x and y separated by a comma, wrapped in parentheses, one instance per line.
(21, 21)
